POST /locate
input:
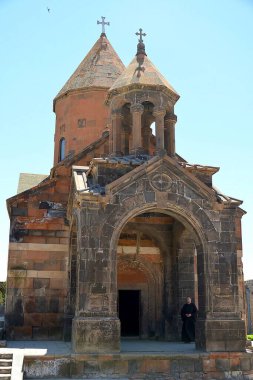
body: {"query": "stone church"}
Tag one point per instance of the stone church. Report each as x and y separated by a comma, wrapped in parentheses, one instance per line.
(123, 229)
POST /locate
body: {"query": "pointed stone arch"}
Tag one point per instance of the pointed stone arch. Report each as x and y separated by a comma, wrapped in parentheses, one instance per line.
(193, 227)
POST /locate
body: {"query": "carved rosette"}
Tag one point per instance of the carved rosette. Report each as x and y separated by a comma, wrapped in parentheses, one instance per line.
(161, 181)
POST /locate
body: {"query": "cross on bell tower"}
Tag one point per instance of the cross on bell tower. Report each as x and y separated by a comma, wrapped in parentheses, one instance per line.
(140, 46)
(103, 23)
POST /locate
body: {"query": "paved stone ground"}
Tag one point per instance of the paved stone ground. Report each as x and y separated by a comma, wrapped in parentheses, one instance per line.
(127, 346)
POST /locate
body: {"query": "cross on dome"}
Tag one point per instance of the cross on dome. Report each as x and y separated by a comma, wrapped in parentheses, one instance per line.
(140, 34)
(103, 23)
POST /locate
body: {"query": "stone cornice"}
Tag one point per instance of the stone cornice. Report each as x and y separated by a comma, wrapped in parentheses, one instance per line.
(142, 87)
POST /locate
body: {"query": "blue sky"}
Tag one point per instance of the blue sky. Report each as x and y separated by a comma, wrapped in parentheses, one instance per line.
(202, 47)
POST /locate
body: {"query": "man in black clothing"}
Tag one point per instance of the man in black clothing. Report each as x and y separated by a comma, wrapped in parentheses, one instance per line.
(188, 315)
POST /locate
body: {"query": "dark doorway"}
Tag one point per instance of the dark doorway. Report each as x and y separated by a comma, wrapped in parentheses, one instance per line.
(129, 312)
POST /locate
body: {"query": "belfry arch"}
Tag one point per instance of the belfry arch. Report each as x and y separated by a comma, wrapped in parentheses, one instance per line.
(124, 119)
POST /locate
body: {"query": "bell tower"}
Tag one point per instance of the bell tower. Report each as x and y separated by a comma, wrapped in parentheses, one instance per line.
(139, 97)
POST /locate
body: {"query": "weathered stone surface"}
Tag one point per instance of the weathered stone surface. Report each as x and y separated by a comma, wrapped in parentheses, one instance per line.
(220, 335)
(95, 335)
(146, 366)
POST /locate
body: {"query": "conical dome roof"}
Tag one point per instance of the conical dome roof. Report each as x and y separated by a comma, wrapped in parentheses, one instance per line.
(100, 68)
(143, 73)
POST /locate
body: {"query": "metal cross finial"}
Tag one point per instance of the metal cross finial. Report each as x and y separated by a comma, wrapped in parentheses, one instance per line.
(140, 34)
(103, 22)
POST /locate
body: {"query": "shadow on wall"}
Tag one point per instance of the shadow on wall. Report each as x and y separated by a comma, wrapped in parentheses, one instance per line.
(1, 309)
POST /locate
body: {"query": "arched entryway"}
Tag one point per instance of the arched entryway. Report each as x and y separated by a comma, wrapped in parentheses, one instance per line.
(156, 271)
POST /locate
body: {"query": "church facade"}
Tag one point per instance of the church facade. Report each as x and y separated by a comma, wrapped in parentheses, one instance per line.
(123, 229)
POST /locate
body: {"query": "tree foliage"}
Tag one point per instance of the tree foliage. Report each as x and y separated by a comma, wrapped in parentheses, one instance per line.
(2, 292)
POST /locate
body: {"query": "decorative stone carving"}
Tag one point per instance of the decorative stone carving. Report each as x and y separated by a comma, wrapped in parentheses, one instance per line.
(137, 108)
(161, 181)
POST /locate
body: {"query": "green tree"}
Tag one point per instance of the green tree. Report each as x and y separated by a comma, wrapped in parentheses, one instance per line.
(2, 292)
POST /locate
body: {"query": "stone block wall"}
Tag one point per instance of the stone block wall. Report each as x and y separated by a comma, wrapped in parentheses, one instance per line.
(81, 119)
(39, 290)
(37, 283)
(166, 366)
(36, 293)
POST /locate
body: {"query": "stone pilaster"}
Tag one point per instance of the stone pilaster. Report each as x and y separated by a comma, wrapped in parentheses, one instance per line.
(136, 110)
(159, 114)
(220, 335)
(169, 134)
(95, 327)
(221, 327)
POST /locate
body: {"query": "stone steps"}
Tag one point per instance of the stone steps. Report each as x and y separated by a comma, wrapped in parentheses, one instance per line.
(5, 366)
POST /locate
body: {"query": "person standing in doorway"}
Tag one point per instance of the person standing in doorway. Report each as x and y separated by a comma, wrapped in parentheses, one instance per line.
(188, 315)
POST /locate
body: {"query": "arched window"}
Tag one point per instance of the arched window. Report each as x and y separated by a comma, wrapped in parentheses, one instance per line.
(62, 148)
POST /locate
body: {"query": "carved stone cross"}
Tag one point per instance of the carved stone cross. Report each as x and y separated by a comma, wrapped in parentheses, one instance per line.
(103, 22)
(140, 34)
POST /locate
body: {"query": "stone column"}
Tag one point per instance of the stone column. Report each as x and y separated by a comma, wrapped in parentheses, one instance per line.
(125, 139)
(169, 134)
(159, 114)
(137, 111)
(146, 138)
(116, 132)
